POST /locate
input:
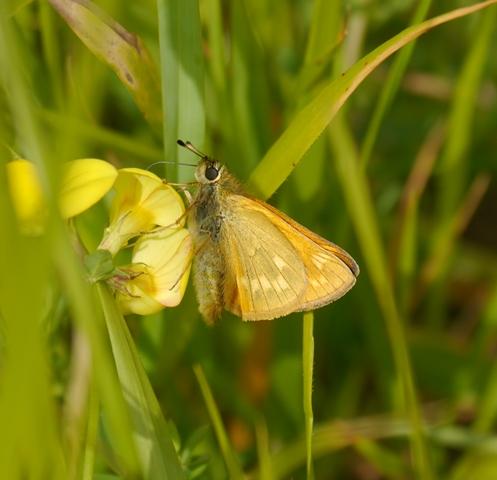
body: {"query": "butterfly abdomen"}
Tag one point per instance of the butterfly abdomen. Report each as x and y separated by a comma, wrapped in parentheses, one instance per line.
(208, 276)
(205, 225)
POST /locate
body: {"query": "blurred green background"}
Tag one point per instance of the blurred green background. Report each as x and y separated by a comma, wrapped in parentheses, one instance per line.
(403, 177)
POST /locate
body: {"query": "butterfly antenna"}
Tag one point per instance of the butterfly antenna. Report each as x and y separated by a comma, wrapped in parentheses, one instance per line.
(171, 163)
(189, 146)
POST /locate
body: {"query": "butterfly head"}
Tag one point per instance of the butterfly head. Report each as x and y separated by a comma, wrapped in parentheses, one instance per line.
(208, 171)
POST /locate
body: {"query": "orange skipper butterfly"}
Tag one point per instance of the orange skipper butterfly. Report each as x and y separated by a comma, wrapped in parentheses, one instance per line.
(253, 260)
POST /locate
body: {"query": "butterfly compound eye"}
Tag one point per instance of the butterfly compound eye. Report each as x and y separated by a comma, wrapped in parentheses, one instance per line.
(211, 173)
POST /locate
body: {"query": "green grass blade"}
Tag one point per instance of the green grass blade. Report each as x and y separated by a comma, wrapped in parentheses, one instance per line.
(249, 93)
(391, 87)
(123, 51)
(101, 136)
(310, 122)
(182, 79)
(232, 465)
(323, 38)
(360, 206)
(89, 318)
(332, 436)
(385, 461)
(51, 51)
(308, 367)
(212, 14)
(89, 451)
(60, 251)
(405, 236)
(453, 164)
(159, 458)
(487, 410)
(263, 454)
(27, 410)
(13, 6)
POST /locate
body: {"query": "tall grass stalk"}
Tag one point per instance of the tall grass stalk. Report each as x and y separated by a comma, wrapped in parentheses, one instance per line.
(232, 465)
(308, 367)
(390, 88)
(359, 204)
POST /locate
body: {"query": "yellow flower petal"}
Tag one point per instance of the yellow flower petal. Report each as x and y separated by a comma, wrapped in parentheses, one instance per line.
(132, 186)
(26, 193)
(134, 296)
(142, 202)
(84, 183)
(135, 186)
(166, 206)
(168, 256)
(160, 270)
(140, 306)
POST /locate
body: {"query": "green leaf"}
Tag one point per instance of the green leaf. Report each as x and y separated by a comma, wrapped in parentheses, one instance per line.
(99, 265)
(308, 367)
(123, 51)
(182, 79)
(229, 456)
(158, 456)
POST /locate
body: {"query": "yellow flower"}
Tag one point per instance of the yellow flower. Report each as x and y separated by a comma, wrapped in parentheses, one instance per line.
(142, 201)
(158, 274)
(161, 259)
(84, 183)
(27, 195)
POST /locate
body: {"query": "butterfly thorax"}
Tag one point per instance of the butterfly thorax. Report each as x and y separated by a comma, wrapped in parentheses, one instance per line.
(215, 184)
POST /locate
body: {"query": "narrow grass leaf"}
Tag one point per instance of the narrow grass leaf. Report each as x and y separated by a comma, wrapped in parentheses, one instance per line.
(454, 162)
(158, 456)
(182, 79)
(308, 367)
(323, 37)
(212, 15)
(51, 51)
(27, 411)
(249, 99)
(232, 465)
(390, 87)
(385, 461)
(332, 436)
(403, 249)
(60, 252)
(13, 6)
(309, 122)
(123, 51)
(88, 316)
(263, 453)
(454, 167)
(360, 207)
(90, 440)
(100, 135)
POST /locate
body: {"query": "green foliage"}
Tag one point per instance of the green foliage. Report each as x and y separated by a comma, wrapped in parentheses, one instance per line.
(395, 380)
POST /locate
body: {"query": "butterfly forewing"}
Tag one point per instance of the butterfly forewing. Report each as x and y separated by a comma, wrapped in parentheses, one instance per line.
(329, 271)
(267, 277)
